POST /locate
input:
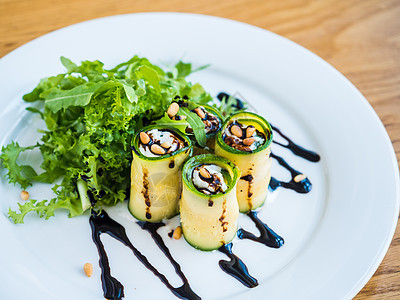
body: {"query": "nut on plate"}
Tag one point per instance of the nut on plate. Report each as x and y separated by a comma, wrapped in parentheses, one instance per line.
(88, 268)
(24, 195)
(177, 233)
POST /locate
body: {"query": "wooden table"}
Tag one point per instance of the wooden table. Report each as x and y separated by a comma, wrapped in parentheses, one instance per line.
(361, 38)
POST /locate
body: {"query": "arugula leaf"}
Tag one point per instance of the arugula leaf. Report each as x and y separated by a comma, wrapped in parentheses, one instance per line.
(180, 125)
(57, 99)
(149, 75)
(68, 64)
(183, 69)
(93, 71)
(44, 85)
(201, 68)
(197, 125)
(129, 91)
(35, 110)
(199, 95)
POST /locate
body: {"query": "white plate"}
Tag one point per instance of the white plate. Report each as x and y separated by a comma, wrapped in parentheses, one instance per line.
(335, 236)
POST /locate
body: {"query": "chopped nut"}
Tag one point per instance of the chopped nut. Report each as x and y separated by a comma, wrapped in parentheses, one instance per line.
(144, 138)
(299, 177)
(204, 173)
(236, 131)
(24, 195)
(200, 112)
(177, 233)
(88, 268)
(156, 149)
(166, 145)
(250, 130)
(248, 141)
(173, 109)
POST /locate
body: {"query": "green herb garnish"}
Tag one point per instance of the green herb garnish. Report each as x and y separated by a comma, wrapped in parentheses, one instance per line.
(91, 115)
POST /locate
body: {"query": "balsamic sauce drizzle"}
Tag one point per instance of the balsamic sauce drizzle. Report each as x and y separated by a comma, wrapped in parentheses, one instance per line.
(268, 237)
(303, 186)
(184, 291)
(296, 149)
(112, 288)
(236, 268)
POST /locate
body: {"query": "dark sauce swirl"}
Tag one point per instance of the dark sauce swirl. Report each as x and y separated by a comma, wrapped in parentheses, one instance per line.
(303, 186)
(112, 288)
(268, 237)
(296, 149)
(236, 268)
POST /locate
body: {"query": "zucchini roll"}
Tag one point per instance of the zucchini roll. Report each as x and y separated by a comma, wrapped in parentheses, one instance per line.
(245, 139)
(158, 155)
(208, 206)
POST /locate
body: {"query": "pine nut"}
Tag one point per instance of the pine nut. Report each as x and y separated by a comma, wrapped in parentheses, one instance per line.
(88, 268)
(166, 145)
(157, 149)
(173, 109)
(144, 138)
(200, 112)
(250, 130)
(299, 177)
(24, 195)
(236, 131)
(177, 233)
(248, 141)
(204, 173)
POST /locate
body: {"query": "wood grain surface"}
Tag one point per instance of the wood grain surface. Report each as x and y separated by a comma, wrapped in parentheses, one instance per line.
(361, 38)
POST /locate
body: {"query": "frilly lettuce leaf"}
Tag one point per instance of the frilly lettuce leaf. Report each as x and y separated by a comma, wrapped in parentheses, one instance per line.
(21, 174)
(91, 115)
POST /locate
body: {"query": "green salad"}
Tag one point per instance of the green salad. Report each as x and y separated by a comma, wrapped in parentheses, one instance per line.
(91, 115)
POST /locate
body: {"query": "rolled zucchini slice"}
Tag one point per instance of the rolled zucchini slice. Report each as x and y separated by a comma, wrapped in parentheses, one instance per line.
(208, 206)
(158, 155)
(245, 139)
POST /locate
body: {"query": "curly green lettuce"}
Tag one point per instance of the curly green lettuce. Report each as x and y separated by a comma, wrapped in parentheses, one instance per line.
(91, 115)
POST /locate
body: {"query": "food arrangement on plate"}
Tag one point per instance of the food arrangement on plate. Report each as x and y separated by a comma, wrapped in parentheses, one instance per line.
(138, 133)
